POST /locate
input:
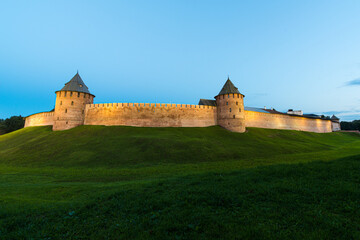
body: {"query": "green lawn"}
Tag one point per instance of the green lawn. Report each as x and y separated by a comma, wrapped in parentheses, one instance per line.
(178, 183)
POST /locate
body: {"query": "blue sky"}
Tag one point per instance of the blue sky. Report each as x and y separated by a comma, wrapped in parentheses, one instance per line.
(282, 54)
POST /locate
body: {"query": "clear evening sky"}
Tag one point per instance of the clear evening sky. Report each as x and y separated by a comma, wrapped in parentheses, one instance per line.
(282, 54)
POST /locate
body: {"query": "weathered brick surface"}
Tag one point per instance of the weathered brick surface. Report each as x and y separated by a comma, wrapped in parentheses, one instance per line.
(150, 115)
(230, 112)
(40, 119)
(70, 109)
(279, 121)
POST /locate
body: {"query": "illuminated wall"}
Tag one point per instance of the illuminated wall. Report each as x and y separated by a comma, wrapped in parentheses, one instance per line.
(150, 115)
(181, 115)
(280, 121)
(40, 119)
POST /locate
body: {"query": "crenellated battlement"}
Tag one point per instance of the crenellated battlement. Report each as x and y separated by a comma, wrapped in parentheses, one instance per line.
(149, 105)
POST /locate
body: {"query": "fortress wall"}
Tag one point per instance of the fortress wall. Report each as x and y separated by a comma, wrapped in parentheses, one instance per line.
(150, 115)
(278, 121)
(40, 119)
(335, 126)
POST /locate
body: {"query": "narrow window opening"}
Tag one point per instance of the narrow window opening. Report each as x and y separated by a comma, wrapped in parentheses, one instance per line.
(65, 94)
(239, 109)
(65, 110)
(72, 102)
(82, 111)
(60, 102)
(227, 103)
(70, 94)
(238, 95)
(228, 95)
(233, 95)
(66, 122)
(79, 93)
(237, 103)
(84, 95)
(230, 109)
(233, 116)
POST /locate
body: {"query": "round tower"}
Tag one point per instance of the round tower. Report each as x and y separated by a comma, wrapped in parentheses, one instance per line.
(230, 108)
(70, 104)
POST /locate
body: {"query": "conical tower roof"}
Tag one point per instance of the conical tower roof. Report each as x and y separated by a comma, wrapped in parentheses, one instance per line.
(76, 84)
(334, 118)
(228, 88)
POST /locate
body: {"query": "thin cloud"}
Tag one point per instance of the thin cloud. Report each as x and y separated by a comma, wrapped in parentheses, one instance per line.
(355, 82)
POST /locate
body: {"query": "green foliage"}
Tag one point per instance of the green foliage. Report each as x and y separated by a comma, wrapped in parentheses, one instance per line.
(354, 125)
(95, 182)
(11, 124)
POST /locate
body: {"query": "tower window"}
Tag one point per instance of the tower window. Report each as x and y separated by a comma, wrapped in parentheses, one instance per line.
(78, 94)
(228, 95)
(72, 102)
(82, 111)
(65, 94)
(238, 95)
(60, 102)
(227, 103)
(70, 94)
(65, 110)
(84, 95)
(233, 95)
(239, 109)
(230, 109)
(59, 94)
(233, 116)
(237, 103)
(66, 122)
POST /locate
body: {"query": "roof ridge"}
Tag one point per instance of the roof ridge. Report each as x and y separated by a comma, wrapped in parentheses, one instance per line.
(76, 84)
(228, 88)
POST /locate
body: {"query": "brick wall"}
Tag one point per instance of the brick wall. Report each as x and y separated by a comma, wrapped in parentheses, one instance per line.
(279, 121)
(40, 119)
(150, 115)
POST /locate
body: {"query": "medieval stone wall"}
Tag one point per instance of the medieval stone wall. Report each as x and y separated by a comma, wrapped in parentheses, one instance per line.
(40, 119)
(180, 115)
(230, 112)
(150, 115)
(335, 126)
(70, 109)
(279, 121)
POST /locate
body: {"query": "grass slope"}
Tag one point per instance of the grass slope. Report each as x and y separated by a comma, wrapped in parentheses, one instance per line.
(178, 183)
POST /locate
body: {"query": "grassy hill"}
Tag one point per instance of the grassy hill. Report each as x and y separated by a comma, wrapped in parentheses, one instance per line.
(178, 183)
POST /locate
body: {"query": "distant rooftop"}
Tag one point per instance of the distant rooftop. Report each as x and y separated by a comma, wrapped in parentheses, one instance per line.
(207, 102)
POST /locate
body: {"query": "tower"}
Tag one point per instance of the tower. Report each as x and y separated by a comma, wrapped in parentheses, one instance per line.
(230, 108)
(70, 104)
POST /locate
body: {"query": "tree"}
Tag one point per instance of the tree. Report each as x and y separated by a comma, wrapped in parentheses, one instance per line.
(11, 124)
(354, 125)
